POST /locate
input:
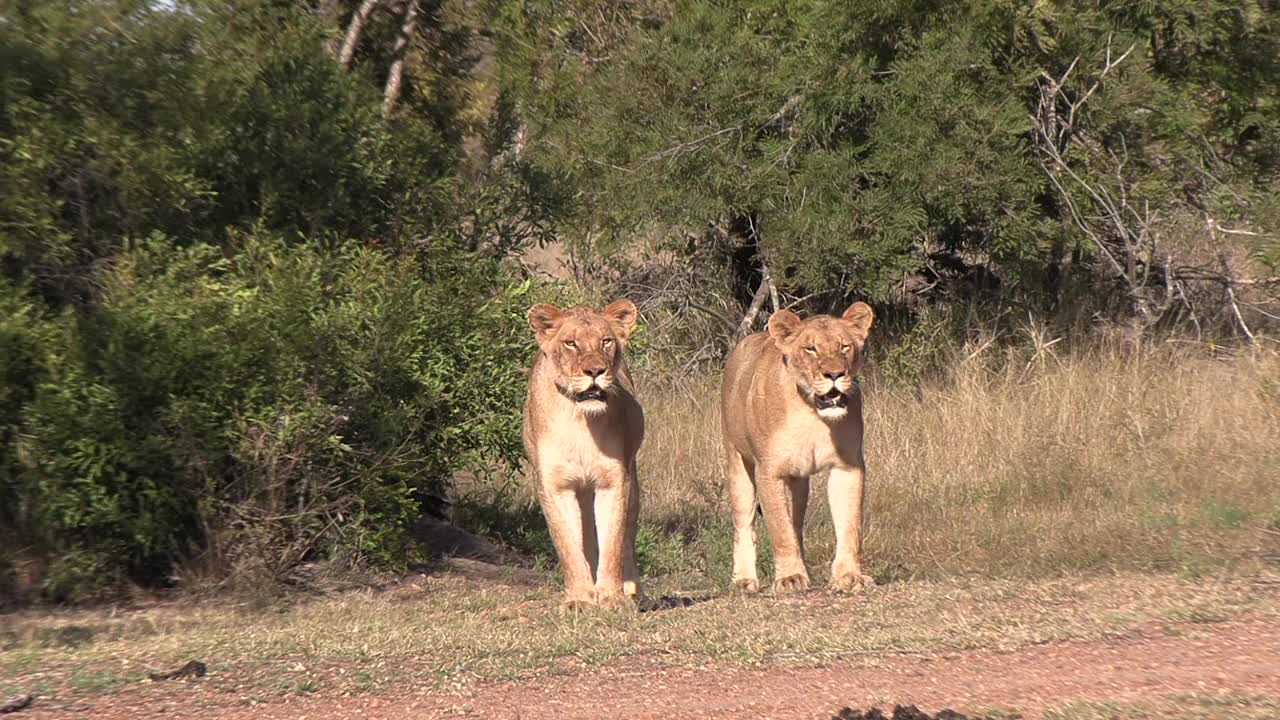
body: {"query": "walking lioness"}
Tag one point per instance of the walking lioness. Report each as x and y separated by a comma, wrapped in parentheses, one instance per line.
(582, 429)
(790, 409)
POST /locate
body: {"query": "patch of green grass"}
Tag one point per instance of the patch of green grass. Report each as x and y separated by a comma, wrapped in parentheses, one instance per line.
(364, 681)
(89, 679)
(659, 553)
(1225, 515)
(22, 660)
(1201, 615)
(511, 519)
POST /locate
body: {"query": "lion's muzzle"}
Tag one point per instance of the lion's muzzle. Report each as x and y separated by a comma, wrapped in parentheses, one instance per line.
(590, 392)
(833, 398)
(595, 392)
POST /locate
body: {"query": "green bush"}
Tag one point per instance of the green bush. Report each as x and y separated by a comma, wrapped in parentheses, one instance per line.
(24, 335)
(250, 121)
(249, 413)
(855, 140)
(247, 318)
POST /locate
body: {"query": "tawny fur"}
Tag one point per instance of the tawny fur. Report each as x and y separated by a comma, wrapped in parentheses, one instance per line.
(791, 409)
(583, 450)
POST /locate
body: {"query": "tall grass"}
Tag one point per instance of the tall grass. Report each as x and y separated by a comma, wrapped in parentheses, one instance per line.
(1014, 462)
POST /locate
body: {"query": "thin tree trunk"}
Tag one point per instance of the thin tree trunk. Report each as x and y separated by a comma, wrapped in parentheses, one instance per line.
(515, 150)
(354, 30)
(757, 303)
(394, 78)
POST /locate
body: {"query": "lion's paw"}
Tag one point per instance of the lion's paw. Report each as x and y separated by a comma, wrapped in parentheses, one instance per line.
(577, 602)
(615, 600)
(794, 583)
(749, 586)
(852, 582)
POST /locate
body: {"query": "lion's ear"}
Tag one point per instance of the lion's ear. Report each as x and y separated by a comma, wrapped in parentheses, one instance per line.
(545, 320)
(783, 326)
(860, 316)
(624, 313)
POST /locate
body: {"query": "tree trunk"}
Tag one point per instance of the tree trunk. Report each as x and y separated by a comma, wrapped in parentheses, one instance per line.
(354, 30)
(394, 78)
(757, 303)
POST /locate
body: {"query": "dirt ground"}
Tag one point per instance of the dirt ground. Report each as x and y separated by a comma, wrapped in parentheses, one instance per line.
(1241, 656)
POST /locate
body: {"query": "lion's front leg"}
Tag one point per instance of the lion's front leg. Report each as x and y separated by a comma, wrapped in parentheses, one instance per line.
(631, 570)
(742, 501)
(846, 488)
(560, 507)
(612, 505)
(790, 574)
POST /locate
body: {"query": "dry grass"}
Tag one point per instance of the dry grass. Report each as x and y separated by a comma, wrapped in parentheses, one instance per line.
(1021, 463)
(681, 461)
(1186, 707)
(449, 629)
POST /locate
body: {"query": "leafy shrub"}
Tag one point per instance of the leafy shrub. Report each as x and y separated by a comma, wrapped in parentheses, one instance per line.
(251, 121)
(862, 142)
(256, 411)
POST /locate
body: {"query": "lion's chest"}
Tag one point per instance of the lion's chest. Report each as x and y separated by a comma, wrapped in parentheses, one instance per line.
(808, 454)
(803, 446)
(570, 455)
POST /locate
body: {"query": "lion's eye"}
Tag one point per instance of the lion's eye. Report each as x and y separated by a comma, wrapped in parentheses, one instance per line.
(811, 350)
(571, 344)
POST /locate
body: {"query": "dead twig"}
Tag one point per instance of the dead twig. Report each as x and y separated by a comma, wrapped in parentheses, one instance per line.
(691, 145)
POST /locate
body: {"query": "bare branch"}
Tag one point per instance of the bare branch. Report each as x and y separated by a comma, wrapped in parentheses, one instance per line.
(1228, 292)
(1122, 229)
(394, 78)
(354, 29)
(781, 120)
(757, 302)
(675, 150)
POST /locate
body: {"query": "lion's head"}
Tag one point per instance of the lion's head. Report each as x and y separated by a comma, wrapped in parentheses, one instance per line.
(823, 355)
(584, 347)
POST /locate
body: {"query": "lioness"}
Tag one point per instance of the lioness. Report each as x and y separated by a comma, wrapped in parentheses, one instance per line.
(790, 409)
(582, 429)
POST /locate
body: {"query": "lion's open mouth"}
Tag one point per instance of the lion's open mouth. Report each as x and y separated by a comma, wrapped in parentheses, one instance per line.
(833, 398)
(591, 393)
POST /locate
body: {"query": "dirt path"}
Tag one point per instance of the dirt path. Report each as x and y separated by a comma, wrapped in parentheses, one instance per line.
(1239, 656)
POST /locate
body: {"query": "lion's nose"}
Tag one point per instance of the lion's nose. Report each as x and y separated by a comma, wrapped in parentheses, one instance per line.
(594, 372)
(833, 376)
